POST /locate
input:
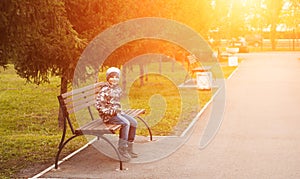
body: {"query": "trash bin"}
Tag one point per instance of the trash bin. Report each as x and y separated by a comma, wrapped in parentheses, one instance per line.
(233, 61)
(203, 78)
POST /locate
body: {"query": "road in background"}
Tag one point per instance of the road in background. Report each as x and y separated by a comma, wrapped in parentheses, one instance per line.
(287, 44)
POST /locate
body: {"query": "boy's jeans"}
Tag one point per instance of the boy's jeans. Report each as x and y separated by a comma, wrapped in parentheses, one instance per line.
(128, 128)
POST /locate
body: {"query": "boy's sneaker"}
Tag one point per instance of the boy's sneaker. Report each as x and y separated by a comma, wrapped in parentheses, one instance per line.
(133, 155)
(130, 151)
(124, 153)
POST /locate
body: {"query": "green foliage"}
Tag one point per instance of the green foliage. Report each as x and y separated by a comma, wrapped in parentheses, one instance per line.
(39, 39)
(90, 18)
(43, 38)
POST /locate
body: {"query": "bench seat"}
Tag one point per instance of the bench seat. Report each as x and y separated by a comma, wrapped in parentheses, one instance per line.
(85, 98)
(96, 128)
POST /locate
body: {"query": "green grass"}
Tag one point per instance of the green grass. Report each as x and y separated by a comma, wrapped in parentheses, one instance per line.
(167, 106)
(29, 127)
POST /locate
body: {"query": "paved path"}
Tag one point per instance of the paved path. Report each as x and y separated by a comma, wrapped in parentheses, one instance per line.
(259, 136)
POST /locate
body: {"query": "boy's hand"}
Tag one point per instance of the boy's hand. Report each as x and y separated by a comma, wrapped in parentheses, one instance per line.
(118, 110)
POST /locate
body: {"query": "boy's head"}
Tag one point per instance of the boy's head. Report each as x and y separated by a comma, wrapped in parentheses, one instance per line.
(113, 75)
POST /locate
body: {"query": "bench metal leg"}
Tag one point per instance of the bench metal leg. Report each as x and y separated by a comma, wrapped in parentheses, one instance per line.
(61, 146)
(116, 150)
(186, 77)
(150, 133)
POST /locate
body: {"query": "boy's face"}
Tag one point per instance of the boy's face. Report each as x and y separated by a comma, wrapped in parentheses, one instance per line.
(114, 80)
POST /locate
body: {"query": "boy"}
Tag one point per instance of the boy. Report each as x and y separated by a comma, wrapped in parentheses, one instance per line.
(109, 107)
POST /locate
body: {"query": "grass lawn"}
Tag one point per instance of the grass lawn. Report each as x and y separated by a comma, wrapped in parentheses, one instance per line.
(29, 127)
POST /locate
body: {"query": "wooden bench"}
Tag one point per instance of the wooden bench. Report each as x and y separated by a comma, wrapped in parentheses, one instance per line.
(83, 100)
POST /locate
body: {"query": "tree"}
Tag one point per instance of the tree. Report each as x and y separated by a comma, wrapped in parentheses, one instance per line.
(46, 37)
(37, 37)
(273, 9)
(91, 17)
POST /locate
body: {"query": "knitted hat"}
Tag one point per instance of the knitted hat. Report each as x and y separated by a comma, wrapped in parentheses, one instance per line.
(112, 70)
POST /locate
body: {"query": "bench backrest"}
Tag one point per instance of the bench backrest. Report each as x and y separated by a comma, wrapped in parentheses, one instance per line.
(77, 99)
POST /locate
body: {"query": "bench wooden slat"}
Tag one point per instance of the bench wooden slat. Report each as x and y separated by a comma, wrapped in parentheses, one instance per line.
(97, 127)
(80, 96)
(90, 125)
(134, 112)
(83, 89)
(84, 105)
(83, 101)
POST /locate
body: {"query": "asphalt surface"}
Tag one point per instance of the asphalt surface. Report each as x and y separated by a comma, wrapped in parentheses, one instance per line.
(259, 136)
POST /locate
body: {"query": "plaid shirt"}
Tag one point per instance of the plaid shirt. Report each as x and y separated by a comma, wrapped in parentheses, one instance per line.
(108, 101)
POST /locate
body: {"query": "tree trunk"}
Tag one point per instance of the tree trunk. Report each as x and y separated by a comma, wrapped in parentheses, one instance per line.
(273, 36)
(160, 66)
(146, 72)
(124, 70)
(63, 89)
(173, 66)
(141, 74)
